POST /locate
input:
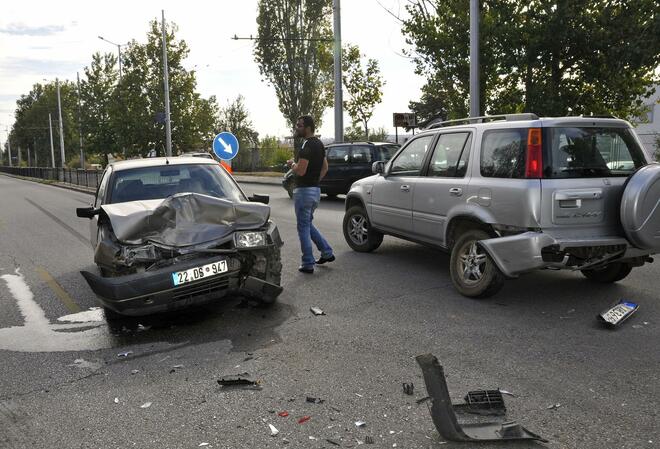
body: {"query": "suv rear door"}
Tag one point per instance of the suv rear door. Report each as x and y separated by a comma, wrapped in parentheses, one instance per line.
(392, 193)
(338, 160)
(359, 164)
(443, 186)
(585, 170)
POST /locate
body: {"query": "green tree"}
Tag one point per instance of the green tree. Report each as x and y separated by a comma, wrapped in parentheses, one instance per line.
(235, 118)
(545, 56)
(294, 55)
(363, 86)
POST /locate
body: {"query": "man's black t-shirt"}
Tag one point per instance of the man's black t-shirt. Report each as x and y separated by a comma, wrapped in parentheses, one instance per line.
(314, 151)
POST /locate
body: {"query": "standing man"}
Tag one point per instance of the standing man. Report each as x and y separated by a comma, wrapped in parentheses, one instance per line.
(310, 167)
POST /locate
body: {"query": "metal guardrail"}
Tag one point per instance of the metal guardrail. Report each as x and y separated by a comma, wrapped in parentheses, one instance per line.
(73, 176)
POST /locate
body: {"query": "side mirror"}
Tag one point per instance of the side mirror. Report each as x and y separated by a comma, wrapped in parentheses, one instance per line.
(259, 198)
(87, 212)
(378, 168)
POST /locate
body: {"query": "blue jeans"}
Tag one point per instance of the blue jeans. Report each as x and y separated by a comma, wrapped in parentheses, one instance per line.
(306, 200)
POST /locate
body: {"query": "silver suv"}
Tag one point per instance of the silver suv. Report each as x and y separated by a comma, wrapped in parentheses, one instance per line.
(511, 194)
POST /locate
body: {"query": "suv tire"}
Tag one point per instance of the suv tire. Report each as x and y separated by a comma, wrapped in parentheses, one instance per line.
(358, 232)
(473, 272)
(608, 274)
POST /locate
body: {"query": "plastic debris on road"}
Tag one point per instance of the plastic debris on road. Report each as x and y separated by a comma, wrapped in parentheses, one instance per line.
(146, 405)
(553, 406)
(203, 444)
(333, 442)
(304, 419)
(314, 400)
(368, 440)
(116, 400)
(508, 393)
(360, 423)
(273, 430)
(283, 414)
(239, 382)
(408, 389)
(124, 354)
(135, 371)
(317, 311)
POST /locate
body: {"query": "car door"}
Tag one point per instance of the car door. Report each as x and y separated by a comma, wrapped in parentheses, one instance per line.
(392, 193)
(359, 164)
(442, 187)
(338, 161)
(98, 201)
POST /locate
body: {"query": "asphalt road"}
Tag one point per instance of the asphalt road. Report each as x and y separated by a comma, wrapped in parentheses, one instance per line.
(66, 382)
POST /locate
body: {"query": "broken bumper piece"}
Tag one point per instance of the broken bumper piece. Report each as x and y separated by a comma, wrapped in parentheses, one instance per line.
(444, 418)
(153, 291)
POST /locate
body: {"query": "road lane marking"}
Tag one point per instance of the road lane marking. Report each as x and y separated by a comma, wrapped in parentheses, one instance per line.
(62, 295)
(73, 232)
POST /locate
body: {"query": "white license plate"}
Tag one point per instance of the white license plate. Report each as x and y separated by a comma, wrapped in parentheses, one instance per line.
(618, 313)
(195, 274)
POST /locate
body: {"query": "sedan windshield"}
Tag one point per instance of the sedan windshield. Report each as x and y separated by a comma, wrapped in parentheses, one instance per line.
(150, 183)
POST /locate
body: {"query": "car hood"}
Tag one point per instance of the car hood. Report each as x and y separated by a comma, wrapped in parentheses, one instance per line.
(182, 220)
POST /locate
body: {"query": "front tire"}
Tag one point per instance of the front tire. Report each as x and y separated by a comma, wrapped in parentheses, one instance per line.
(473, 272)
(359, 234)
(610, 273)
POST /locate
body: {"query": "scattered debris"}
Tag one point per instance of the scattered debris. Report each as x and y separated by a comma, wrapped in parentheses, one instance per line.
(312, 438)
(368, 440)
(239, 382)
(618, 313)
(146, 405)
(360, 423)
(316, 311)
(332, 442)
(177, 366)
(482, 402)
(203, 444)
(359, 395)
(315, 400)
(423, 400)
(248, 358)
(82, 363)
(506, 392)
(273, 430)
(124, 354)
(392, 432)
(164, 358)
(553, 406)
(409, 389)
(285, 441)
(304, 419)
(444, 418)
(283, 414)
(135, 371)
(116, 400)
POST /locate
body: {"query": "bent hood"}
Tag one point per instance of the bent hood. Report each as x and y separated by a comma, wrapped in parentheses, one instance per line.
(183, 219)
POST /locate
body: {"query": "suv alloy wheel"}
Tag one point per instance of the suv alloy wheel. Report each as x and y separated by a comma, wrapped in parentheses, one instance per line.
(358, 232)
(473, 272)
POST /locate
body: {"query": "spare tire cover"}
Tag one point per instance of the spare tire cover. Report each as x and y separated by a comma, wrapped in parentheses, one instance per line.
(640, 208)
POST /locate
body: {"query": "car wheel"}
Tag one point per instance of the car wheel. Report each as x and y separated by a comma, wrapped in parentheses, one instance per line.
(358, 232)
(608, 274)
(473, 272)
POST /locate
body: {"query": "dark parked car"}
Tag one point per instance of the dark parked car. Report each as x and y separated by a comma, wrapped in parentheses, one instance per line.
(169, 233)
(347, 162)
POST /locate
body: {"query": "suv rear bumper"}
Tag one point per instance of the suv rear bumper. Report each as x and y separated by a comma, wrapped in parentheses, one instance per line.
(521, 253)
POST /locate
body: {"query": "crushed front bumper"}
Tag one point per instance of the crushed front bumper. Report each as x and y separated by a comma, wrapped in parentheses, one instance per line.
(153, 291)
(521, 253)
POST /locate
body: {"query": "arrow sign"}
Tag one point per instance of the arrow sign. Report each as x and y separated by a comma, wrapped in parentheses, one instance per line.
(225, 146)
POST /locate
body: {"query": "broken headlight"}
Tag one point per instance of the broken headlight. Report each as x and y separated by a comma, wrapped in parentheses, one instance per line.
(250, 239)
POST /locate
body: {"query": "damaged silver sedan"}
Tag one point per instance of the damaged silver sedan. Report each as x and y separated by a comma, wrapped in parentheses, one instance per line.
(170, 233)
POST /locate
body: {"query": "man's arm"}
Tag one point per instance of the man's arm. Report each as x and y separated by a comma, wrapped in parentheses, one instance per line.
(324, 168)
(300, 167)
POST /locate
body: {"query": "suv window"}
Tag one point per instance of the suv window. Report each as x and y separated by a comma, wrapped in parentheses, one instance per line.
(503, 153)
(410, 160)
(337, 155)
(590, 152)
(450, 155)
(360, 154)
(387, 151)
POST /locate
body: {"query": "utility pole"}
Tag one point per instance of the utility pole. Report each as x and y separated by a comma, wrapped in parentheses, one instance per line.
(82, 155)
(118, 53)
(59, 109)
(168, 125)
(474, 59)
(11, 164)
(339, 103)
(52, 148)
(19, 156)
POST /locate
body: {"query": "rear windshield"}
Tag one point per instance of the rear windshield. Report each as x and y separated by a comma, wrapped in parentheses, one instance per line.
(150, 183)
(590, 152)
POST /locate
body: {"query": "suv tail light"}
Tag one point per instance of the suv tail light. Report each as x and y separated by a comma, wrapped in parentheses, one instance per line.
(534, 164)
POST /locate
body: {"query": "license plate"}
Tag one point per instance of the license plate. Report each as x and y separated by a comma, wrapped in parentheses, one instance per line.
(618, 313)
(195, 274)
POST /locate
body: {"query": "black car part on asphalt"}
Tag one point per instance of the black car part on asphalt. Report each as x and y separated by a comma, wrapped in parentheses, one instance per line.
(444, 418)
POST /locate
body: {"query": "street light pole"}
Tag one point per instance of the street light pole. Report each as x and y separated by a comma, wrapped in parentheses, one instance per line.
(82, 155)
(474, 59)
(59, 109)
(118, 52)
(9, 146)
(168, 125)
(52, 147)
(339, 104)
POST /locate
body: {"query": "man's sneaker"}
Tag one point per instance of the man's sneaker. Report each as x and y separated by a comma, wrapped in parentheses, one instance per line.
(308, 270)
(323, 260)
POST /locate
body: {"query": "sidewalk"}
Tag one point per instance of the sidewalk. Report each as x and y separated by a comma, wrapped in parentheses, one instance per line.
(250, 179)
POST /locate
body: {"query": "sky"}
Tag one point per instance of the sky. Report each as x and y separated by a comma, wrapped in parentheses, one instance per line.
(42, 40)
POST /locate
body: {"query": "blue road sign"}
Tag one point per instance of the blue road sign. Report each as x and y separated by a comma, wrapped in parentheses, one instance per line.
(225, 146)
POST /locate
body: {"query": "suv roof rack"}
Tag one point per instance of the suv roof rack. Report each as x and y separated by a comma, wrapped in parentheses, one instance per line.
(484, 118)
